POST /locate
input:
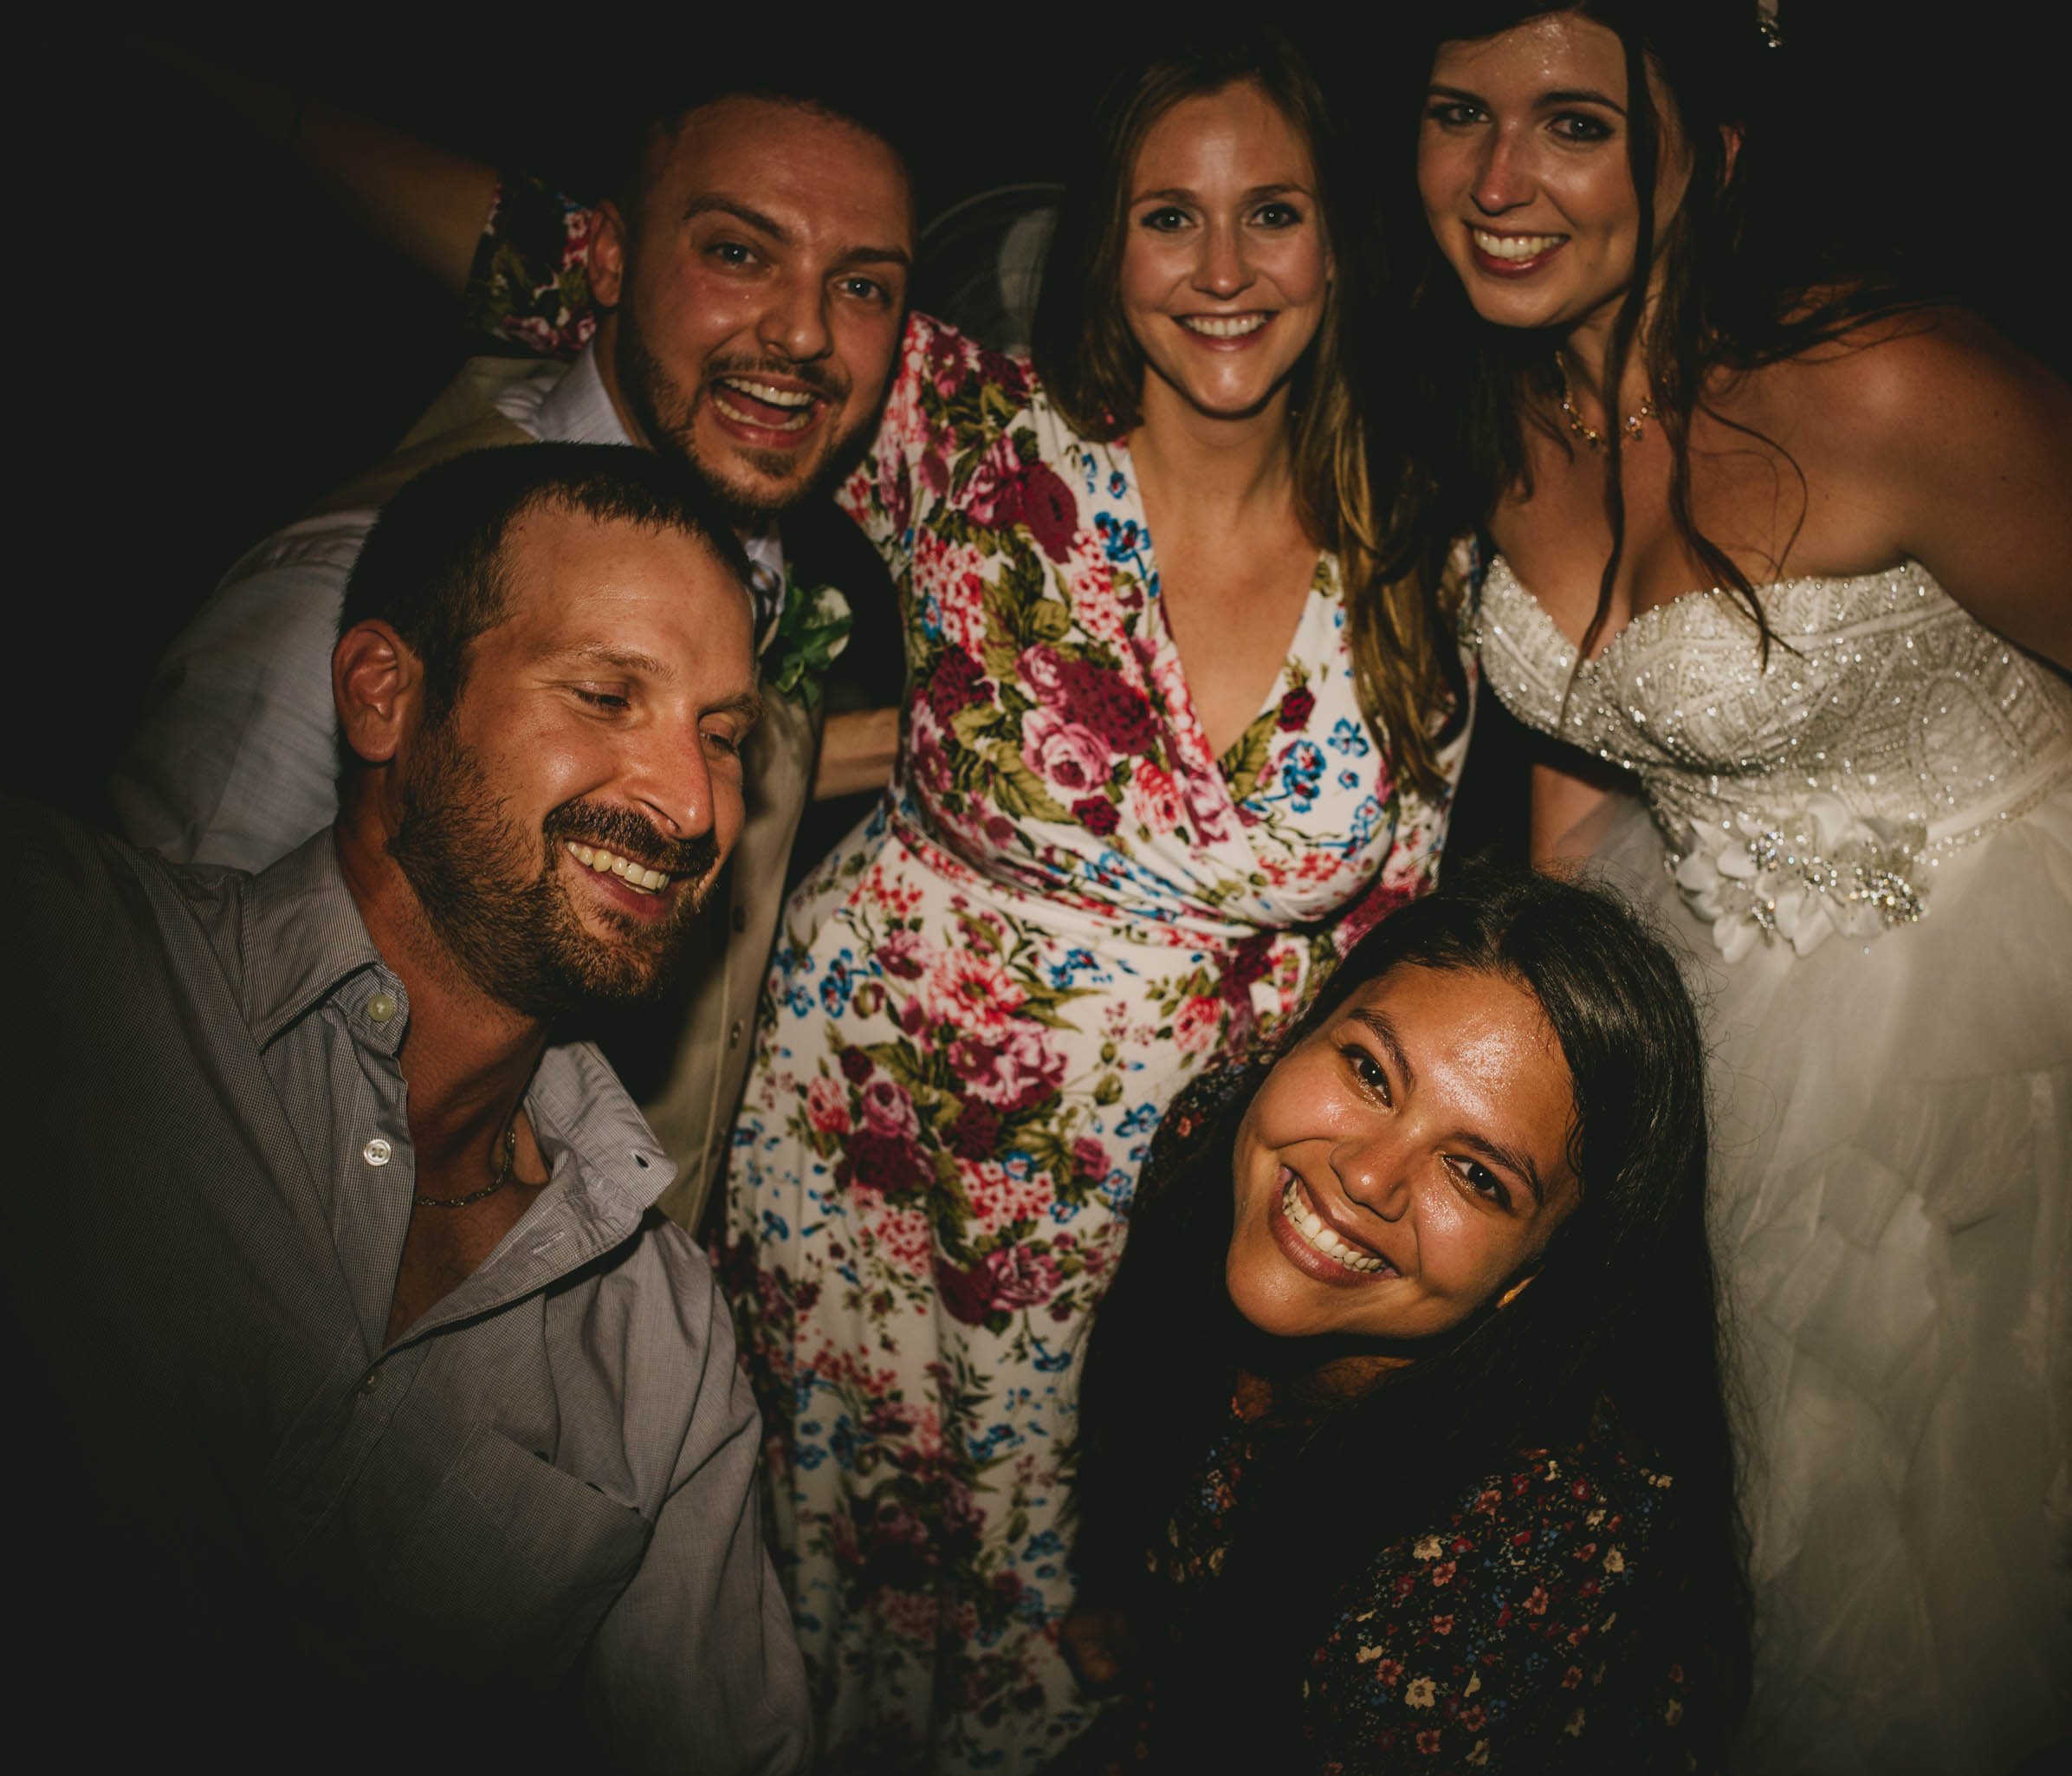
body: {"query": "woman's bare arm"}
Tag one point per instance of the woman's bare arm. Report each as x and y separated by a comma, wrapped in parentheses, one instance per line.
(426, 203)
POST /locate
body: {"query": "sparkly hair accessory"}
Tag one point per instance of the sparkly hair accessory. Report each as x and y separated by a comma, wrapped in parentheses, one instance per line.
(1766, 23)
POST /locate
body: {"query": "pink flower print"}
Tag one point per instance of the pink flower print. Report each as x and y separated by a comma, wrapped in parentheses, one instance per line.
(1208, 805)
(1050, 510)
(826, 1106)
(1090, 1158)
(1042, 670)
(993, 496)
(900, 953)
(1061, 752)
(1154, 797)
(1009, 1277)
(970, 990)
(1011, 1070)
(1195, 1026)
(1295, 709)
(887, 1110)
(1098, 814)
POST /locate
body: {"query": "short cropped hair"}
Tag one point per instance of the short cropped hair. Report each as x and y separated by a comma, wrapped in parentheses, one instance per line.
(433, 567)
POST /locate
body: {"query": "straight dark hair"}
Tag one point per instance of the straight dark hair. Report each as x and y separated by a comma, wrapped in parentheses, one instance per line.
(433, 567)
(1406, 669)
(1623, 1310)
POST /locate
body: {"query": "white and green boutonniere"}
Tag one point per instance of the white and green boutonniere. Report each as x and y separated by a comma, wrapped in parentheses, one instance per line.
(812, 630)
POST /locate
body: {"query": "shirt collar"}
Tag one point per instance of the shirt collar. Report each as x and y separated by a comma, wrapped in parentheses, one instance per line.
(304, 940)
(301, 934)
(578, 410)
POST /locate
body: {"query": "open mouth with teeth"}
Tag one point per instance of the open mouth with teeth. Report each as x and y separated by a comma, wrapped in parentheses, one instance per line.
(1316, 1247)
(766, 406)
(1514, 252)
(1223, 327)
(636, 878)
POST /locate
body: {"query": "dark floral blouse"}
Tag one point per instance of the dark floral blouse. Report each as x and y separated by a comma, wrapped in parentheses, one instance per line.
(1521, 1633)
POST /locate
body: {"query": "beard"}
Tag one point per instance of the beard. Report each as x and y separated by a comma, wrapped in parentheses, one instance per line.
(495, 902)
(667, 413)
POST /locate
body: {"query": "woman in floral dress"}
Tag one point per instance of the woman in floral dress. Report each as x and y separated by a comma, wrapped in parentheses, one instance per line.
(1145, 796)
(1119, 843)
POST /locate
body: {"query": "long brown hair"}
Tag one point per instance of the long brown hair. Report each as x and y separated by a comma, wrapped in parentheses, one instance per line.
(1406, 669)
(1727, 299)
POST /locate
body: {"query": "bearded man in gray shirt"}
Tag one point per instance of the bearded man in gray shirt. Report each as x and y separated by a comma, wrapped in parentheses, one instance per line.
(371, 1408)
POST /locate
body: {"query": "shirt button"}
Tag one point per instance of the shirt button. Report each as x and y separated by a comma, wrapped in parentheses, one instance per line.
(733, 1035)
(741, 918)
(382, 1007)
(377, 1151)
(373, 1381)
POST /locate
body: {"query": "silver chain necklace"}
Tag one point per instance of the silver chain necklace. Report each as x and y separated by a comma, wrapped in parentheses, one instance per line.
(502, 1178)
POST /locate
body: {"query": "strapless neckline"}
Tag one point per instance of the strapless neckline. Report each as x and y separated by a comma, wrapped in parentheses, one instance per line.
(1644, 623)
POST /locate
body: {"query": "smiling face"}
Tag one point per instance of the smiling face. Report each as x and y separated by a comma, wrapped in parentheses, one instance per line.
(1225, 265)
(760, 293)
(1522, 163)
(563, 821)
(1405, 1163)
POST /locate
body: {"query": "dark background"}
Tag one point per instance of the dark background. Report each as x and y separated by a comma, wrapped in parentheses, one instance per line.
(203, 344)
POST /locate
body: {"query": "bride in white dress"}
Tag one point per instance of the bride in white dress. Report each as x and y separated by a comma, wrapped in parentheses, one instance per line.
(1815, 562)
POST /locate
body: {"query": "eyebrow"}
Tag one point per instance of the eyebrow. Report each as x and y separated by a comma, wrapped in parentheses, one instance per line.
(1182, 194)
(748, 704)
(1559, 95)
(602, 653)
(1512, 1159)
(712, 204)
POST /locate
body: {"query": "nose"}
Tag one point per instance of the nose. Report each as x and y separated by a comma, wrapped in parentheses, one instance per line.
(1374, 1172)
(794, 324)
(1224, 268)
(1503, 177)
(671, 778)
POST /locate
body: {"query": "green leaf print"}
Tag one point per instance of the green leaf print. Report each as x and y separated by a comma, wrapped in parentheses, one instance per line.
(1248, 755)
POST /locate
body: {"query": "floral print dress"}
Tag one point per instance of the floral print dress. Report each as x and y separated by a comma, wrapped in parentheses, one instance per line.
(978, 1008)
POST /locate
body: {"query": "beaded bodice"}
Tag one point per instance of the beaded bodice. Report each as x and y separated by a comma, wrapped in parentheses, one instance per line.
(1815, 793)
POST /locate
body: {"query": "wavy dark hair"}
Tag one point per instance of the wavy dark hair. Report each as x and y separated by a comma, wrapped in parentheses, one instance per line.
(1622, 1310)
(1736, 290)
(1409, 676)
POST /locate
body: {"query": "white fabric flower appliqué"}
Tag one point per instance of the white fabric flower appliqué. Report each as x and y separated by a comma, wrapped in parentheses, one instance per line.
(1820, 871)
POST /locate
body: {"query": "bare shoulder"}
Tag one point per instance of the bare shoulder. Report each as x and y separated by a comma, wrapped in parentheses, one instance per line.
(1905, 390)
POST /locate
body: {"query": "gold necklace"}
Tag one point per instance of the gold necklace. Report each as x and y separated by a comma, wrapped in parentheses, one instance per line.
(502, 1178)
(1630, 426)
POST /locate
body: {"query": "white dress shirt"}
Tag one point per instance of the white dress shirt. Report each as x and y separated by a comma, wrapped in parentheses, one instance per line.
(235, 760)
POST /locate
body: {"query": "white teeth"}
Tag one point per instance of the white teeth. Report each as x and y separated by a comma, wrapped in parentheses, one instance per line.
(1515, 247)
(1312, 1229)
(634, 875)
(769, 395)
(769, 391)
(1224, 325)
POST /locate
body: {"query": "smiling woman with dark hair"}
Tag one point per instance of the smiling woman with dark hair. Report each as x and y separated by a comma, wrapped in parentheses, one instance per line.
(1403, 1437)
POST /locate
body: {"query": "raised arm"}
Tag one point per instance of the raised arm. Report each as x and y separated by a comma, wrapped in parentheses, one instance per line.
(426, 203)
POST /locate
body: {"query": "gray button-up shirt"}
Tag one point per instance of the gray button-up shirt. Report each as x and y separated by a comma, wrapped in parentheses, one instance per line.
(553, 1473)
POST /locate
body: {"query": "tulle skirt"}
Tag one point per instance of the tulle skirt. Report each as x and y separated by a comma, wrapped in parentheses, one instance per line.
(1893, 1217)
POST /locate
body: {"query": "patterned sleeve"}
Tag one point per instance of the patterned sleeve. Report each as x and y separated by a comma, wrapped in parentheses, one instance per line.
(528, 289)
(950, 398)
(1520, 1637)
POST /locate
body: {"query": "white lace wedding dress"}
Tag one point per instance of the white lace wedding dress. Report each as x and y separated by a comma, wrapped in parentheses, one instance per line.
(1867, 845)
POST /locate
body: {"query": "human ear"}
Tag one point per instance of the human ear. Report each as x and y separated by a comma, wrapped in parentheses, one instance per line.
(376, 682)
(1729, 137)
(608, 256)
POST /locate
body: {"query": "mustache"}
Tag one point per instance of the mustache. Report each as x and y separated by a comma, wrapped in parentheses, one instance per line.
(824, 380)
(621, 830)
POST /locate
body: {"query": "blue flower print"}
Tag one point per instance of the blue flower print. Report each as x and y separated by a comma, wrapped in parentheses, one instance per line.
(834, 989)
(1347, 737)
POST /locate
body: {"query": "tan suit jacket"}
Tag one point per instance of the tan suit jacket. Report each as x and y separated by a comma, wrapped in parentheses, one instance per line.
(685, 1058)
